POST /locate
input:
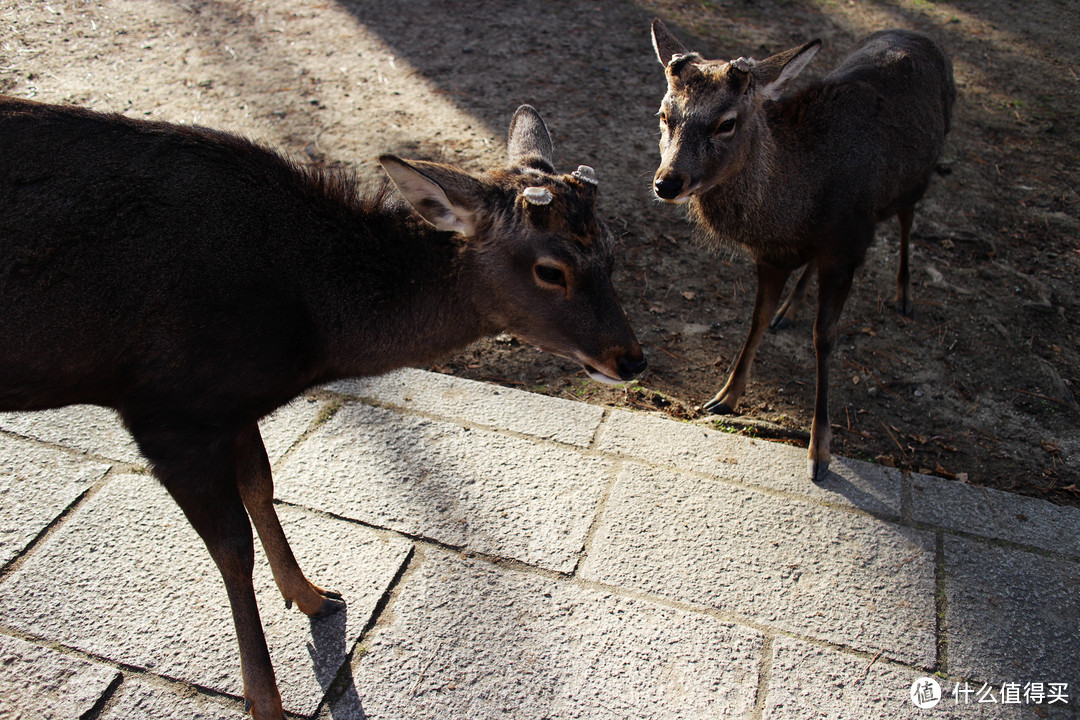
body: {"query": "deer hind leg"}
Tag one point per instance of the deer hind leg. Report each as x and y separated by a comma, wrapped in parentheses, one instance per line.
(834, 284)
(256, 487)
(903, 300)
(770, 285)
(785, 316)
(201, 480)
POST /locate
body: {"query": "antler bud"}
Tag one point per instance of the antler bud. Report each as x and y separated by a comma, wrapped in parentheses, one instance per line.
(584, 173)
(536, 195)
(742, 65)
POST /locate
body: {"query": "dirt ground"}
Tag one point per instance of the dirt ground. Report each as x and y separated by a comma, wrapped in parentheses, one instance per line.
(980, 385)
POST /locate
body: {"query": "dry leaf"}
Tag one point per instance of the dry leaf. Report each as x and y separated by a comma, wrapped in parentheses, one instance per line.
(1051, 447)
(938, 470)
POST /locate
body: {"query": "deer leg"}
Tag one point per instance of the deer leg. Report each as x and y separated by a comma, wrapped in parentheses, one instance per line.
(786, 314)
(903, 300)
(257, 491)
(206, 492)
(770, 285)
(834, 283)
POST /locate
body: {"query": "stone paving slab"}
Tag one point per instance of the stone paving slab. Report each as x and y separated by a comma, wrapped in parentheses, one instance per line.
(1013, 616)
(127, 579)
(843, 577)
(813, 681)
(714, 580)
(995, 514)
(86, 428)
(836, 685)
(37, 683)
(467, 639)
(687, 446)
(487, 491)
(99, 431)
(139, 699)
(499, 408)
(37, 484)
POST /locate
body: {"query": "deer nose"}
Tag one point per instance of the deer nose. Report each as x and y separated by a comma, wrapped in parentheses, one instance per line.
(668, 187)
(629, 367)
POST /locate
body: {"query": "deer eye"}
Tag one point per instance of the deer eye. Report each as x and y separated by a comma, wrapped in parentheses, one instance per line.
(550, 275)
(727, 127)
(663, 118)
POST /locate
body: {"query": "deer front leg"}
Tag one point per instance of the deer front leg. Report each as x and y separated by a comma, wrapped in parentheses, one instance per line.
(786, 314)
(835, 283)
(903, 300)
(257, 491)
(770, 284)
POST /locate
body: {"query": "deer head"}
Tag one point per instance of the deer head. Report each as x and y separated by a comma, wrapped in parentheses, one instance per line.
(535, 256)
(711, 118)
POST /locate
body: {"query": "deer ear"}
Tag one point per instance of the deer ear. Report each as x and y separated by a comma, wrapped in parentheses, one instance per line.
(529, 141)
(664, 43)
(776, 72)
(444, 196)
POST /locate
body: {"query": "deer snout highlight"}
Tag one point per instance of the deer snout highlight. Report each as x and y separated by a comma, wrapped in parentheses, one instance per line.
(669, 186)
(617, 366)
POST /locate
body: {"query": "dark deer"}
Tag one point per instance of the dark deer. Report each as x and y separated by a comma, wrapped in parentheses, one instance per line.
(803, 180)
(195, 281)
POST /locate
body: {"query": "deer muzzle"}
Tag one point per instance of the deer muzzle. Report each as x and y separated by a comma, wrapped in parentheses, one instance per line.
(671, 187)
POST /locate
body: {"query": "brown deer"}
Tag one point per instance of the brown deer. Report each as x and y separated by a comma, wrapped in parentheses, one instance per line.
(195, 281)
(803, 179)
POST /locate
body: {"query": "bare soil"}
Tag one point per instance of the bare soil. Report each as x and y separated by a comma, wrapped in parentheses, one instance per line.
(980, 385)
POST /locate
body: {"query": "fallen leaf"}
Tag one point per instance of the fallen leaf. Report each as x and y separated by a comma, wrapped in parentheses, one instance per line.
(1051, 447)
(944, 473)
(689, 294)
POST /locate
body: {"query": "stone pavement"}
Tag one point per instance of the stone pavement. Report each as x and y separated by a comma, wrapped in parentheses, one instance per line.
(510, 555)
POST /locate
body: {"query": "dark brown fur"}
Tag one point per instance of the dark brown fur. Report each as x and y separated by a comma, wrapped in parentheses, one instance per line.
(802, 180)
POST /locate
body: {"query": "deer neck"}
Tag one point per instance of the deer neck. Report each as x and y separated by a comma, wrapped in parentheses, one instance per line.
(409, 301)
(733, 207)
(752, 206)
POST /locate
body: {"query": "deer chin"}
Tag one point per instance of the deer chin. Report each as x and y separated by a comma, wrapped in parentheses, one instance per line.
(590, 369)
(683, 197)
(601, 377)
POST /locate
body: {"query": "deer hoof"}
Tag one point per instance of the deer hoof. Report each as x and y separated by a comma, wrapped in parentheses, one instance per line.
(332, 603)
(716, 407)
(780, 322)
(905, 307)
(818, 469)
